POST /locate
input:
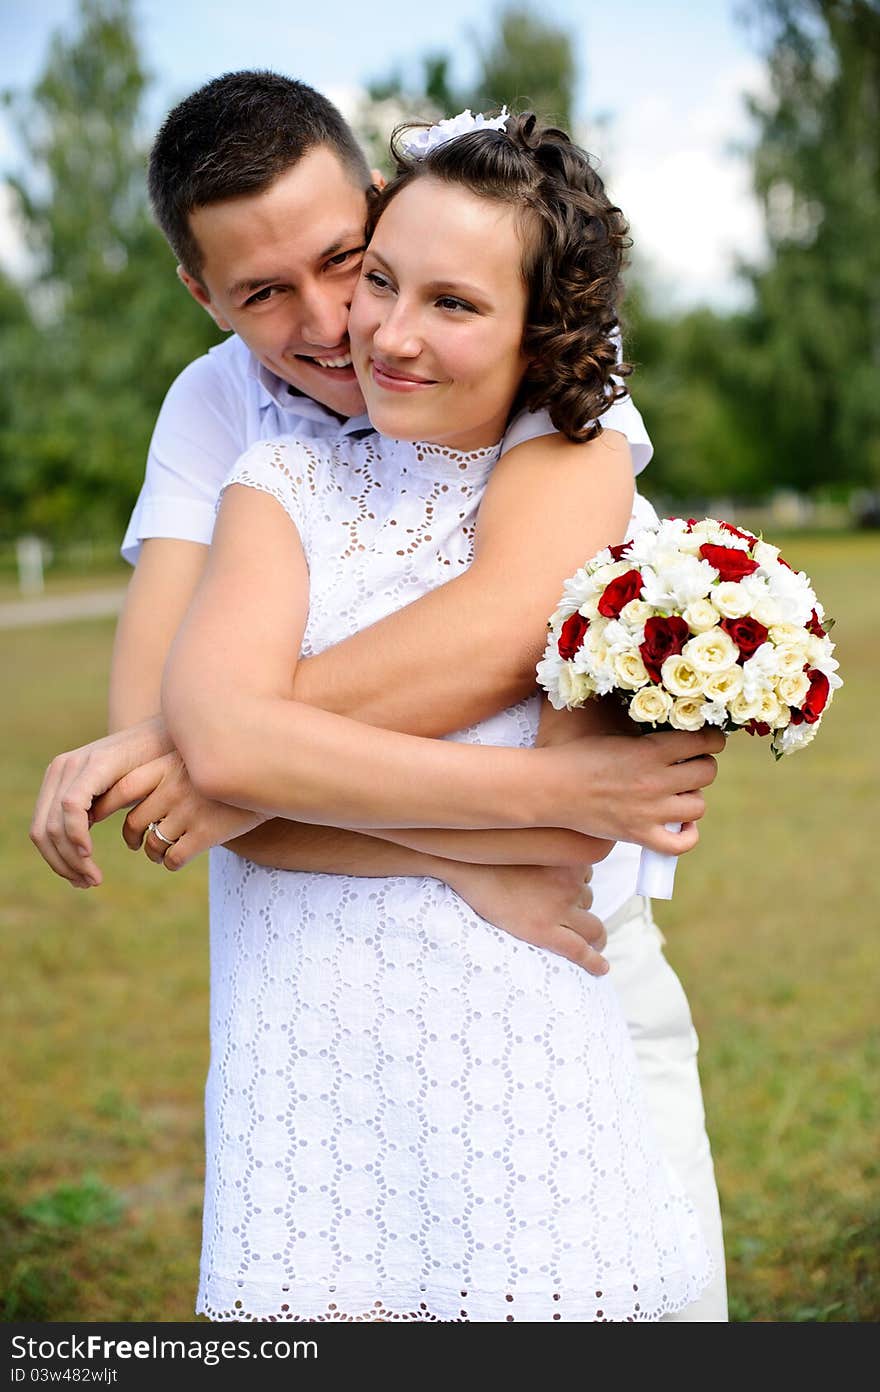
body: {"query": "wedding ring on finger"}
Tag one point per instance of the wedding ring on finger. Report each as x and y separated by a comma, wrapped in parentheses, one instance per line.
(154, 828)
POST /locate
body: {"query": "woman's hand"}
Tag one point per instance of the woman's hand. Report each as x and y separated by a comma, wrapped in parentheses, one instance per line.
(167, 798)
(545, 905)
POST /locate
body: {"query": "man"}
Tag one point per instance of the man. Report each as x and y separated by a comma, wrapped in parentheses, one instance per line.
(261, 191)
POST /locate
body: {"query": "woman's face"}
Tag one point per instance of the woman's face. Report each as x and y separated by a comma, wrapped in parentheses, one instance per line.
(438, 316)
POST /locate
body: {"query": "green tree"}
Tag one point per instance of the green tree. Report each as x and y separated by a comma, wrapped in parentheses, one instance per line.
(817, 174)
(527, 63)
(112, 325)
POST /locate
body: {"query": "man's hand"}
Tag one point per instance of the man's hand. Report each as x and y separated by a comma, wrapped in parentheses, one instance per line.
(193, 823)
(73, 781)
(547, 906)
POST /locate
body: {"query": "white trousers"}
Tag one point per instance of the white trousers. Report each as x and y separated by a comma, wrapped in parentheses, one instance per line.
(666, 1044)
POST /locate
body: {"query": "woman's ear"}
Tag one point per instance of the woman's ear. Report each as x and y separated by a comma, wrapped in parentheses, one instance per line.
(378, 178)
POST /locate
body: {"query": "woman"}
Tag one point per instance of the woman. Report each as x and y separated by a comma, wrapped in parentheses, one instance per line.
(412, 1116)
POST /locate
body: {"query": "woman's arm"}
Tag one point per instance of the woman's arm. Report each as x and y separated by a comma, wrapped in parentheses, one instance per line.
(227, 698)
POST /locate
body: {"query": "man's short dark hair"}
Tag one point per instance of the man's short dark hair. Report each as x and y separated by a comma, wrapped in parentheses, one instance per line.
(235, 136)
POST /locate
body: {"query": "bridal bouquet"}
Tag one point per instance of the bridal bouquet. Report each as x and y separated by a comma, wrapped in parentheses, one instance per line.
(691, 623)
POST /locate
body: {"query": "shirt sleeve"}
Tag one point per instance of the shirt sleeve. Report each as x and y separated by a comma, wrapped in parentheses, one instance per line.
(199, 434)
(622, 415)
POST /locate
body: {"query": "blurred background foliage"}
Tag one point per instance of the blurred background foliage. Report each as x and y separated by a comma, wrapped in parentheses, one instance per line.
(782, 394)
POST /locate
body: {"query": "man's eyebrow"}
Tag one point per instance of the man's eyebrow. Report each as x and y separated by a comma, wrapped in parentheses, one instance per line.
(349, 241)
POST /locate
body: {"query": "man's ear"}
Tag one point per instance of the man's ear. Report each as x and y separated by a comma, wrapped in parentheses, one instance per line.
(378, 178)
(202, 296)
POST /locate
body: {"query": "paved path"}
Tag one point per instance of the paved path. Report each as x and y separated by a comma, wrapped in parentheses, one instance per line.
(85, 604)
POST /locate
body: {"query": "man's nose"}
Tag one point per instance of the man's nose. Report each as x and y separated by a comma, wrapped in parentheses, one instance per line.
(324, 322)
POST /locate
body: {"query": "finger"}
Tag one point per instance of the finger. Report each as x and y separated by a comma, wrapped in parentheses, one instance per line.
(687, 744)
(569, 943)
(673, 843)
(131, 788)
(587, 926)
(689, 774)
(172, 826)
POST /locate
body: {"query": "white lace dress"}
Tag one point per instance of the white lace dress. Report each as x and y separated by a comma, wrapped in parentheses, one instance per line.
(410, 1114)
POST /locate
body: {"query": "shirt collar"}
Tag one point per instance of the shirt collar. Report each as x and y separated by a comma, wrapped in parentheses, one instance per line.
(273, 390)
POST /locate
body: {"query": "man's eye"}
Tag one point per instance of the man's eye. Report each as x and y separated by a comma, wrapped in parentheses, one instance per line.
(342, 257)
(262, 295)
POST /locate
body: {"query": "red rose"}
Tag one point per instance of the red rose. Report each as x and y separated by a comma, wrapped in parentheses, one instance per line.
(663, 637)
(618, 552)
(747, 633)
(619, 592)
(735, 531)
(757, 727)
(572, 635)
(814, 626)
(730, 563)
(817, 697)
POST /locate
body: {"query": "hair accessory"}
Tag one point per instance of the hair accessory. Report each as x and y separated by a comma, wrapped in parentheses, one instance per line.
(424, 141)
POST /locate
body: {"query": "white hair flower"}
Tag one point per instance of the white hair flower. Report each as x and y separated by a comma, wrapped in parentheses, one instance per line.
(422, 142)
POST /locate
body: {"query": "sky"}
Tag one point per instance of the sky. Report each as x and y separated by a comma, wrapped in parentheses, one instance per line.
(660, 89)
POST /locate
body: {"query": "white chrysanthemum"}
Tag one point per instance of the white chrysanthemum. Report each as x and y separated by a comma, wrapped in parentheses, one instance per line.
(765, 554)
(651, 705)
(731, 599)
(794, 737)
(723, 686)
(676, 584)
(761, 672)
(618, 637)
(715, 713)
(700, 616)
(688, 713)
(548, 671)
(680, 676)
(792, 593)
(711, 652)
(630, 671)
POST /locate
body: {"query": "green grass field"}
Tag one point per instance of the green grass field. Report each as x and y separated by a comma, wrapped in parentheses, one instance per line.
(772, 928)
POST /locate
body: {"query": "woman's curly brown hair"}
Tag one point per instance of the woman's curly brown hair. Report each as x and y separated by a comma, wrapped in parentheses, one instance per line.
(574, 243)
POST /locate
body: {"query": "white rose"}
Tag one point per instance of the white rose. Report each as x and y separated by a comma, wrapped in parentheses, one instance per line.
(790, 660)
(723, 686)
(769, 708)
(679, 676)
(630, 670)
(741, 710)
(789, 635)
(793, 689)
(574, 687)
(700, 616)
(730, 599)
(650, 705)
(688, 713)
(711, 652)
(635, 614)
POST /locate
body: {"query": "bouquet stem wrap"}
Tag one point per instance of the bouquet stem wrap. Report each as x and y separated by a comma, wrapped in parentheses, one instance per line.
(657, 871)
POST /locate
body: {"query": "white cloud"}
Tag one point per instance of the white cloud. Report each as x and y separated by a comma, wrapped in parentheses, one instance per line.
(687, 197)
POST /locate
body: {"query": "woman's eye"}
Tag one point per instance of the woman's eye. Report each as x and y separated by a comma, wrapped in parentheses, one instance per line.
(450, 302)
(377, 281)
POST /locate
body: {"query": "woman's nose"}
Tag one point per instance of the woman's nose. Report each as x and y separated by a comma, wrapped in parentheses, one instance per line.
(396, 333)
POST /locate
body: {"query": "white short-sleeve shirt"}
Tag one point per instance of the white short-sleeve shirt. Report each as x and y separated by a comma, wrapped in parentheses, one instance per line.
(226, 401)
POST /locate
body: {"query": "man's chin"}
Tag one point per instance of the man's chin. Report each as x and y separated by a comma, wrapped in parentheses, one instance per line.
(335, 388)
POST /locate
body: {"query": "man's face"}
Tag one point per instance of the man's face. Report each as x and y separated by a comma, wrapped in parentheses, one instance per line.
(280, 267)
